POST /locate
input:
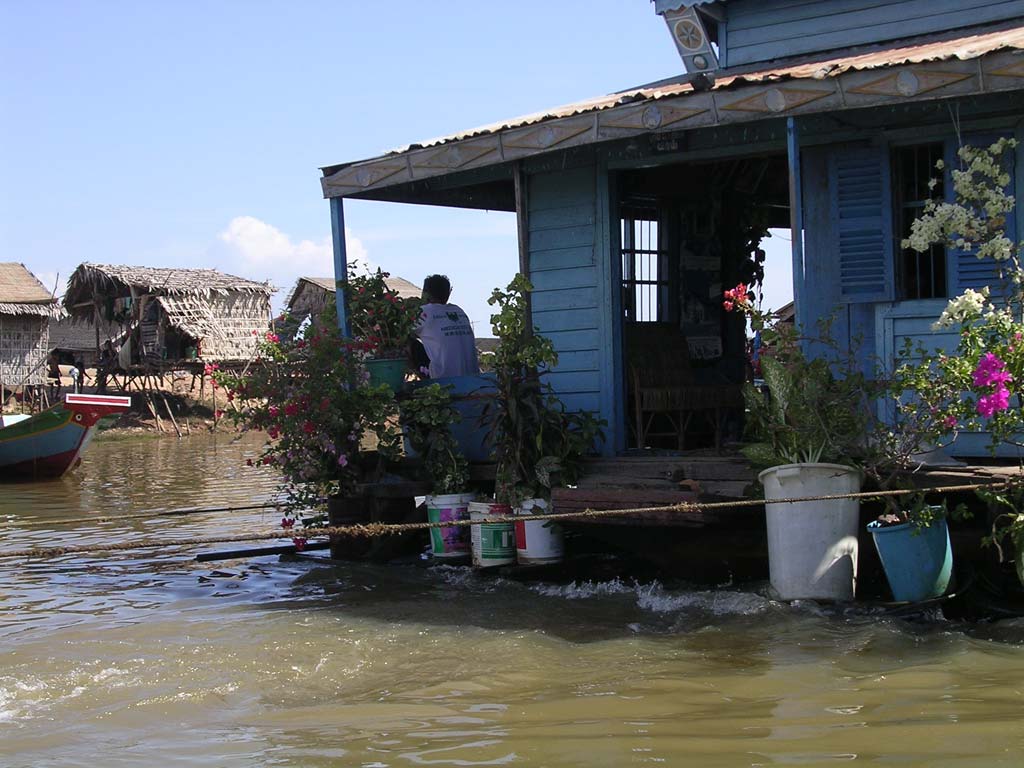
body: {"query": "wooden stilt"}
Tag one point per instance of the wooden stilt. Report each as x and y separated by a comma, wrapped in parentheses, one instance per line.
(171, 414)
(152, 410)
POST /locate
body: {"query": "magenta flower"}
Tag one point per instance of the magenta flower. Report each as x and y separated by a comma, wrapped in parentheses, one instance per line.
(991, 371)
(949, 422)
(989, 405)
(273, 411)
(342, 460)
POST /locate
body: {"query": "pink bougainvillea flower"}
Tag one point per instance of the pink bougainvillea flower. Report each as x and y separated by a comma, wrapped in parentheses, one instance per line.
(728, 306)
(991, 371)
(989, 405)
(287, 522)
(342, 460)
(949, 422)
(273, 411)
(299, 542)
(308, 427)
(248, 462)
(291, 409)
(273, 432)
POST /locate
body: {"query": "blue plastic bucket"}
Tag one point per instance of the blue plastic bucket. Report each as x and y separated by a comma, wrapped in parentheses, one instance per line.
(918, 565)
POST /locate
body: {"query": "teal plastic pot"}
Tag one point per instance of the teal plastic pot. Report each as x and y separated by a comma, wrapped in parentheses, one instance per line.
(384, 371)
(918, 565)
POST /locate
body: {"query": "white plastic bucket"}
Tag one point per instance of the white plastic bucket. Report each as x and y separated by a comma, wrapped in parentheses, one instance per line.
(492, 543)
(537, 541)
(449, 543)
(812, 545)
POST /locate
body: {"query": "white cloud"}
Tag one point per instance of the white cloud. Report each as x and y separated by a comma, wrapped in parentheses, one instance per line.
(261, 250)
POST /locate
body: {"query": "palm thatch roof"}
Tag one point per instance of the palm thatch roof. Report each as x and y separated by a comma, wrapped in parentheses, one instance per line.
(21, 293)
(119, 280)
(400, 285)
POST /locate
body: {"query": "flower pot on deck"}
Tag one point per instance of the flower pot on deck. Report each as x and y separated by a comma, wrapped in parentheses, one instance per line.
(812, 545)
(449, 544)
(538, 542)
(918, 561)
(387, 371)
(492, 543)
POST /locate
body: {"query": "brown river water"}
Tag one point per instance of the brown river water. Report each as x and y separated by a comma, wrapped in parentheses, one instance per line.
(154, 659)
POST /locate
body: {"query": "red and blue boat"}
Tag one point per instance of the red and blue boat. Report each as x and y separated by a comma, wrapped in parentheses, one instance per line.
(47, 445)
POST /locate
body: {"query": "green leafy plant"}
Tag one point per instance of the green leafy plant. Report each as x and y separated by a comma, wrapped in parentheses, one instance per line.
(379, 316)
(427, 416)
(537, 443)
(1009, 524)
(312, 399)
(814, 409)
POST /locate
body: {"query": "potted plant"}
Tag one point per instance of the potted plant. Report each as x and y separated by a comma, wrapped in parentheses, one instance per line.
(383, 322)
(807, 428)
(537, 443)
(977, 386)
(426, 417)
(313, 399)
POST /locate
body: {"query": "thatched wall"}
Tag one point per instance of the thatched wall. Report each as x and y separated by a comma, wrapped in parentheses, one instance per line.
(169, 310)
(24, 345)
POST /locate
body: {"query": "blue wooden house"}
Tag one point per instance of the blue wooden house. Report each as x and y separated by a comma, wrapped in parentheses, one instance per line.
(637, 209)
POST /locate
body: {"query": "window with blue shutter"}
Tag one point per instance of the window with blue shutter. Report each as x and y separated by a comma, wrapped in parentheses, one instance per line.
(862, 223)
(916, 179)
(968, 270)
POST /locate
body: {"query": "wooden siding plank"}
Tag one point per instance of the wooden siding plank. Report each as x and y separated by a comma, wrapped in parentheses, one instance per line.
(584, 360)
(562, 189)
(561, 258)
(570, 298)
(556, 279)
(773, 31)
(566, 216)
(575, 382)
(569, 341)
(563, 237)
(566, 320)
(581, 401)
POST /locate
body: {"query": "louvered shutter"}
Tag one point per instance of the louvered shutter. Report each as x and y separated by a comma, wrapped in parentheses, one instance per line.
(968, 269)
(862, 223)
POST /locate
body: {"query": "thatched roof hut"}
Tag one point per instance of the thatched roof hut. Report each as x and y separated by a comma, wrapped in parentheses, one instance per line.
(25, 311)
(311, 294)
(173, 314)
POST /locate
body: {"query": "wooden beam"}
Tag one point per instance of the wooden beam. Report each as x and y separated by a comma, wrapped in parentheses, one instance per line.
(340, 262)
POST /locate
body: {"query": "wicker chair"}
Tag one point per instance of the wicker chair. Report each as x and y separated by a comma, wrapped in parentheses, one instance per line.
(663, 385)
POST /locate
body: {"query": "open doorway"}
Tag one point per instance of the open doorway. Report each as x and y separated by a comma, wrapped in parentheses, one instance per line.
(688, 232)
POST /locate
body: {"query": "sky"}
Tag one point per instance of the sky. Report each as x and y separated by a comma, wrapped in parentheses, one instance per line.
(191, 133)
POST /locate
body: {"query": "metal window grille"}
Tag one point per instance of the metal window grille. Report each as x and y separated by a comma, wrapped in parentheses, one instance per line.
(645, 274)
(920, 275)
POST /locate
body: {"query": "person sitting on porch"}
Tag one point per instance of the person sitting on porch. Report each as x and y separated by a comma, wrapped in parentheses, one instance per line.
(445, 331)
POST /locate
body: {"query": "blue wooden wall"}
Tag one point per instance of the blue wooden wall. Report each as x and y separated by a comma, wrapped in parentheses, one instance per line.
(572, 277)
(761, 30)
(848, 258)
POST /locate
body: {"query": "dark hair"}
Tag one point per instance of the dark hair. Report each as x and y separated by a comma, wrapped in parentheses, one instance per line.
(438, 288)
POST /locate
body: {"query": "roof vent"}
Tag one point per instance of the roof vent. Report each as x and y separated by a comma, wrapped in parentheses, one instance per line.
(689, 27)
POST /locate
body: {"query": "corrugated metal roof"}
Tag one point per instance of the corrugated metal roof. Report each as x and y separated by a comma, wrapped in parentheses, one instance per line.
(934, 48)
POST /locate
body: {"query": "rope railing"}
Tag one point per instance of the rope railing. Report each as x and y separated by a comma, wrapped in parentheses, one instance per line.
(371, 530)
(108, 518)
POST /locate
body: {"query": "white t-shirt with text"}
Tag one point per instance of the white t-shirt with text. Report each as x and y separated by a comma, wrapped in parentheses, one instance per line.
(447, 336)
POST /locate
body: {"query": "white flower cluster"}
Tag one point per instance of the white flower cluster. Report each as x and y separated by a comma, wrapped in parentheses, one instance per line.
(968, 305)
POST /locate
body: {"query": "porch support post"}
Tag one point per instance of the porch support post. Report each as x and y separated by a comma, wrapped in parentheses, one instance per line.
(796, 216)
(523, 231)
(340, 262)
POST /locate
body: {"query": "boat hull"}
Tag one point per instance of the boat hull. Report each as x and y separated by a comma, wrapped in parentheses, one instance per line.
(49, 444)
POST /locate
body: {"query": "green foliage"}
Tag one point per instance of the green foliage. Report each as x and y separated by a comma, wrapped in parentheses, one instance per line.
(953, 388)
(378, 316)
(427, 416)
(814, 410)
(312, 399)
(537, 443)
(1009, 524)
